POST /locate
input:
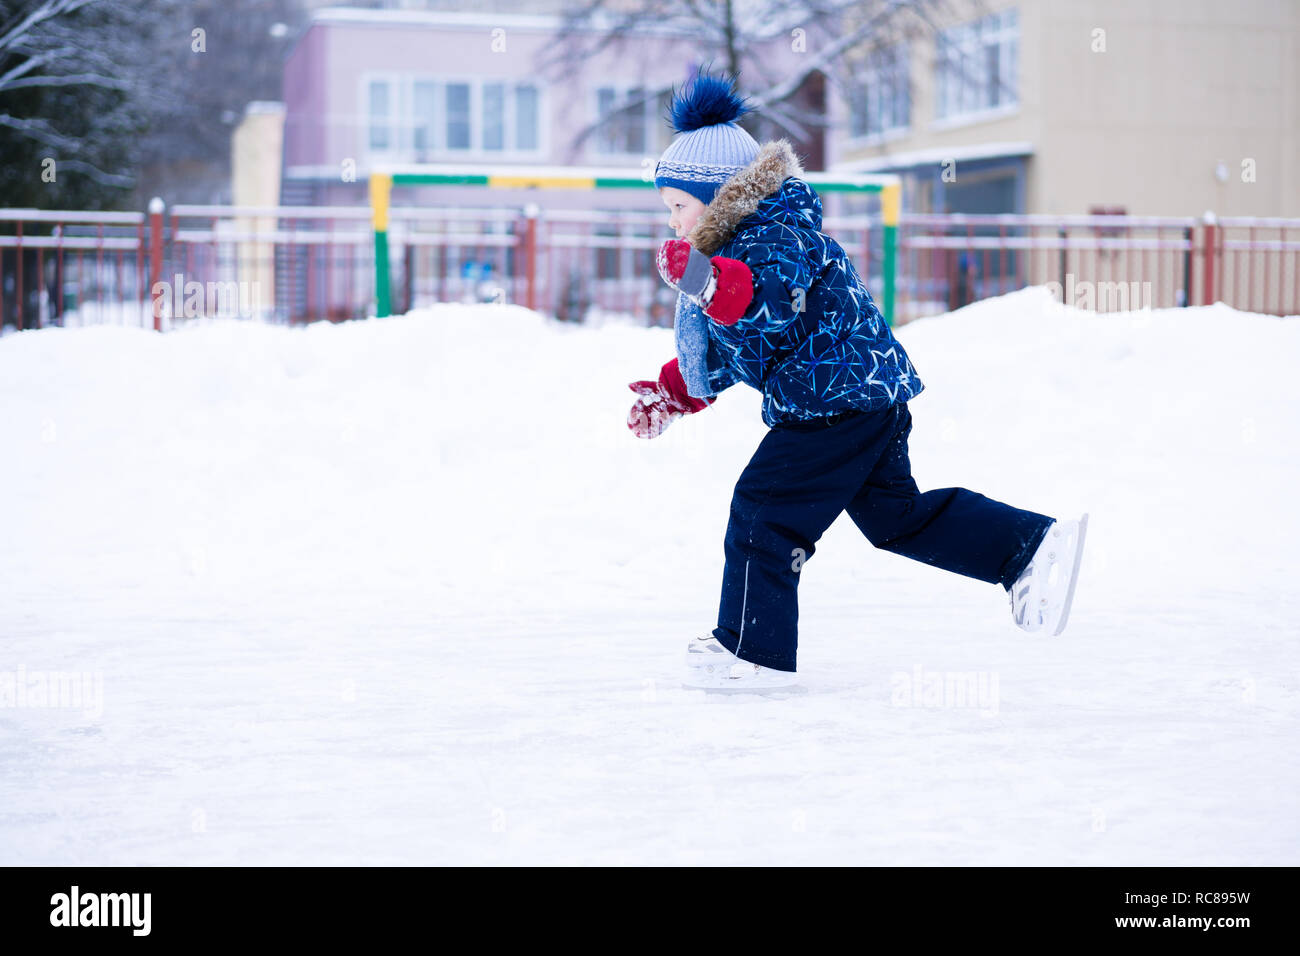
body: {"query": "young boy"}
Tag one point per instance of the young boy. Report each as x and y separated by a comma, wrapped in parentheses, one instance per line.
(767, 299)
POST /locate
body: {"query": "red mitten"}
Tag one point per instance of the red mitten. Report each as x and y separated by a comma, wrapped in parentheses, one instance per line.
(735, 290)
(662, 402)
(723, 287)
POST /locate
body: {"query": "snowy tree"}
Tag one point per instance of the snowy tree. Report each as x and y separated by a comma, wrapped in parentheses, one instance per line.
(69, 118)
(115, 94)
(831, 37)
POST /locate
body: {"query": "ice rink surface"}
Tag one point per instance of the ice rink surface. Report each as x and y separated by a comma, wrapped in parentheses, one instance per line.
(407, 591)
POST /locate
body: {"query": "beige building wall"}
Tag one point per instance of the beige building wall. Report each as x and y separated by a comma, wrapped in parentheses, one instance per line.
(1156, 114)
(1183, 88)
(257, 149)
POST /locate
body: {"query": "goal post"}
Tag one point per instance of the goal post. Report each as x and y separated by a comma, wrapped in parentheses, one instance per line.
(382, 183)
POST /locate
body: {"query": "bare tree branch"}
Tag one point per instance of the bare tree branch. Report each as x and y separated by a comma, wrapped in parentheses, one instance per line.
(39, 130)
(741, 35)
(24, 68)
(95, 173)
(70, 79)
(589, 30)
(46, 11)
(830, 54)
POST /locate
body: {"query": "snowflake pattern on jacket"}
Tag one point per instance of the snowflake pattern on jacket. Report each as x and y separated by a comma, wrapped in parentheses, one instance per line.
(833, 354)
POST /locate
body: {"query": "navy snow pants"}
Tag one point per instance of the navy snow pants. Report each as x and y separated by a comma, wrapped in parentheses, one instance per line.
(797, 483)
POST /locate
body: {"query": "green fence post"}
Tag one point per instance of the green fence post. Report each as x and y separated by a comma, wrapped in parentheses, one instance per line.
(890, 200)
(381, 188)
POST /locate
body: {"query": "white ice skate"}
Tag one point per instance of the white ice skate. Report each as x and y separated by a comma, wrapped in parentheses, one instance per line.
(1041, 596)
(710, 666)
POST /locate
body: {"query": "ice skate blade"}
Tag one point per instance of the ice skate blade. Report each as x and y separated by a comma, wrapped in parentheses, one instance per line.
(786, 690)
(1074, 578)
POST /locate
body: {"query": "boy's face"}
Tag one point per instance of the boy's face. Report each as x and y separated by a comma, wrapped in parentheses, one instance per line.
(684, 207)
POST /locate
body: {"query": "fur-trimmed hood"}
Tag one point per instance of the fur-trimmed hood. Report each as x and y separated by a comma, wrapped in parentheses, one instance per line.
(740, 196)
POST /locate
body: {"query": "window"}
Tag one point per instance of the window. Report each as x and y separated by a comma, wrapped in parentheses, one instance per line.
(525, 116)
(884, 102)
(494, 116)
(976, 66)
(606, 139)
(424, 122)
(424, 119)
(636, 122)
(625, 129)
(458, 117)
(381, 114)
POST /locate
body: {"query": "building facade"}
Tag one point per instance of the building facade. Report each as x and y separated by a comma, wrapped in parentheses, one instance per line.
(369, 89)
(1150, 107)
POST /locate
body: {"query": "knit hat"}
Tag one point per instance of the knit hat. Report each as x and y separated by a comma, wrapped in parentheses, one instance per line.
(711, 148)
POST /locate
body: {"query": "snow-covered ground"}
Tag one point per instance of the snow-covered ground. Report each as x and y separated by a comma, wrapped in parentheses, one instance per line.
(408, 591)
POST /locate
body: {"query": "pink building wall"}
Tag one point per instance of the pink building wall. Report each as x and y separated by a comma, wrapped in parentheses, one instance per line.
(326, 114)
(304, 99)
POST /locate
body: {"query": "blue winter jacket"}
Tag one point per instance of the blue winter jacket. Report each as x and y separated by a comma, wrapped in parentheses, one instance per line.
(833, 354)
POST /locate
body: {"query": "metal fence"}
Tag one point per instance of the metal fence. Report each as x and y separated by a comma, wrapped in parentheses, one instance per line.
(303, 263)
(952, 260)
(1254, 264)
(278, 263)
(72, 268)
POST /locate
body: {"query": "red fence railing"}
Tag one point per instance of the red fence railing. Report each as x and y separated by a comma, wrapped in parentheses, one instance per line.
(1255, 264)
(305, 263)
(948, 261)
(87, 265)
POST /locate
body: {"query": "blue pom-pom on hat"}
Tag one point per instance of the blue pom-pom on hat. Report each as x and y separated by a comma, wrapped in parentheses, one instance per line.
(710, 100)
(711, 148)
